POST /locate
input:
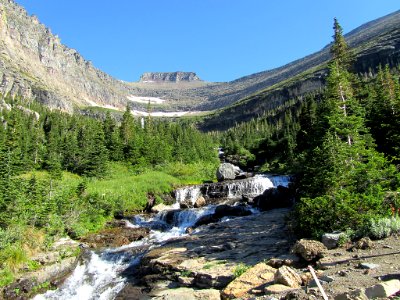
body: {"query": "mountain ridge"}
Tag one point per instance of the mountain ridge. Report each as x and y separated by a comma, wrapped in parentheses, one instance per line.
(35, 64)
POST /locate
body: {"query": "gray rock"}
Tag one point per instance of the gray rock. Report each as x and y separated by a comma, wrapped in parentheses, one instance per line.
(227, 171)
(331, 240)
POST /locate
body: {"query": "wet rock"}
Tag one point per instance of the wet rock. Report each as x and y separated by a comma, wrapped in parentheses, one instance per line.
(383, 290)
(223, 211)
(229, 211)
(309, 249)
(288, 276)
(331, 240)
(207, 219)
(115, 237)
(227, 171)
(253, 278)
(279, 197)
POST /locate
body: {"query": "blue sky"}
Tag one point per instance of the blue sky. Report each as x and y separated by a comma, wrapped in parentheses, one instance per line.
(220, 40)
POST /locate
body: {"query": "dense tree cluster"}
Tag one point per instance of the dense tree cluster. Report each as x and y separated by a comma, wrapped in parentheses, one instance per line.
(35, 139)
(342, 143)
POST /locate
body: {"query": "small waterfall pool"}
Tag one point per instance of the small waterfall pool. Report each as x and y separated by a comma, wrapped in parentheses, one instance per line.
(99, 274)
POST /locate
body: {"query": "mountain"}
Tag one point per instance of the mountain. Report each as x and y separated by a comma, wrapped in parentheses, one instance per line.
(373, 44)
(35, 64)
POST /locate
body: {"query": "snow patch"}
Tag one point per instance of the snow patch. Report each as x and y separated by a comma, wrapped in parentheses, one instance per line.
(163, 114)
(140, 99)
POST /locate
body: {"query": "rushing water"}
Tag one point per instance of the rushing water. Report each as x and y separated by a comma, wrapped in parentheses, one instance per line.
(98, 275)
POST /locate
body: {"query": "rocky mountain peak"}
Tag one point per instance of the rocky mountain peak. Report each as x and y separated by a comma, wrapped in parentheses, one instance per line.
(169, 77)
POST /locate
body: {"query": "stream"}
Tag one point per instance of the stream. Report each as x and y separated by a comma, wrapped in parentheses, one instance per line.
(99, 273)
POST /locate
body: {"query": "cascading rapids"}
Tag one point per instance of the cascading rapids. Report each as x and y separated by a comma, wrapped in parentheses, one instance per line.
(99, 275)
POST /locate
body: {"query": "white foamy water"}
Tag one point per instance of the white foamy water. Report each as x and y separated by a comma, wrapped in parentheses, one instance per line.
(96, 278)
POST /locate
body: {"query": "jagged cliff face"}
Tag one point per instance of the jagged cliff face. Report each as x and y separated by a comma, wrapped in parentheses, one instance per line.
(34, 63)
(174, 77)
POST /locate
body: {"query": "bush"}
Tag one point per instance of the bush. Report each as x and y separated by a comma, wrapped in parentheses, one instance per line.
(384, 227)
(338, 212)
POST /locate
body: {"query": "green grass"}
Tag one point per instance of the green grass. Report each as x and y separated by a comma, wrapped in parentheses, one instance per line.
(240, 269)
(124, 186)
(128, 189)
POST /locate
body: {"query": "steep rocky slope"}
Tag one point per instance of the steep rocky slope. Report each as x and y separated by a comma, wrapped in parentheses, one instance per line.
(376, 43)
(34, 63)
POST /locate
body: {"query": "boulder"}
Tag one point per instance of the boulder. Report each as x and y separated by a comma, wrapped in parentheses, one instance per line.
(253, 278)
(278, 197)
(383, 290)
(160, 207)
(204, 220)
(227, 171)
(200, 202)
(288, 276)
(309, 250)
(331, 240)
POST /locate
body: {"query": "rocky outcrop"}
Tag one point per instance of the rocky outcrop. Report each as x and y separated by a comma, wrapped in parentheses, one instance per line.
(174, 77)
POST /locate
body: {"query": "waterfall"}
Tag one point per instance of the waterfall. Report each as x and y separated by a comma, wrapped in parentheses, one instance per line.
(252, 187)
(98, 277)
(187, 194)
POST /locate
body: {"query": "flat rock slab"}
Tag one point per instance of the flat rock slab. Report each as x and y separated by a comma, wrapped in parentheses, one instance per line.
(247, 240)
(209, 257)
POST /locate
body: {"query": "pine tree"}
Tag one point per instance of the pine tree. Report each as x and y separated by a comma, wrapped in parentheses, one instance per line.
(345, 175)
